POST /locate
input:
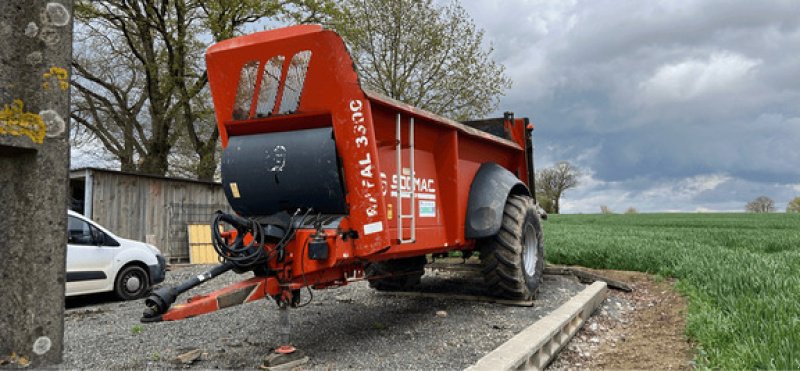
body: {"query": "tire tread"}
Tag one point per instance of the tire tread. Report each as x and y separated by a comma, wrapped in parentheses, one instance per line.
(501, 255)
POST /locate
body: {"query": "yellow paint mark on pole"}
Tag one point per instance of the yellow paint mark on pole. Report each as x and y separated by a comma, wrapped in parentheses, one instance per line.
(15, 121)
(61, 75)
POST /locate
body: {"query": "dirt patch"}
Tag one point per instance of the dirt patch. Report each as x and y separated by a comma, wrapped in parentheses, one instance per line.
(642, 329)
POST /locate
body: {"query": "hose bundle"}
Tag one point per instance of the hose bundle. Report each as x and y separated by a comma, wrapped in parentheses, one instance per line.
(248, 256)
(243, 256)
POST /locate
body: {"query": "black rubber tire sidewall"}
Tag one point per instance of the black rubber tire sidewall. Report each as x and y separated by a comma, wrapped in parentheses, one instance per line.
(119, 283)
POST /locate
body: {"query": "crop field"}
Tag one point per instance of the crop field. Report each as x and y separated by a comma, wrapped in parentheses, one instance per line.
(741, 273)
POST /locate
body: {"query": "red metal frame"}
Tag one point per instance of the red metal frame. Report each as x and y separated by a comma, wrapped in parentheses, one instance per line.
(448, 155)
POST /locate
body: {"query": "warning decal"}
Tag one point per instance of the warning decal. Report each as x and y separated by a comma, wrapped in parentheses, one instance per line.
(427, 209)
(373, 228)
(234, 190)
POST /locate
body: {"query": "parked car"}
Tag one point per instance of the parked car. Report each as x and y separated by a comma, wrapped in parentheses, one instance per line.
(100, 261)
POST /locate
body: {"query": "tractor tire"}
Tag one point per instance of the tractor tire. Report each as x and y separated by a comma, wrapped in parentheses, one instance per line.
(513, 259)
(397, 274)
(132, 282)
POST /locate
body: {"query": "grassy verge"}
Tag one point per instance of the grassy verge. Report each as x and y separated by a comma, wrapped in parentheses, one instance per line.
(741, 273)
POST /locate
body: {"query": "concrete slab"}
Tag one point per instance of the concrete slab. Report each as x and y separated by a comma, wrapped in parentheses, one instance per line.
(537, 345)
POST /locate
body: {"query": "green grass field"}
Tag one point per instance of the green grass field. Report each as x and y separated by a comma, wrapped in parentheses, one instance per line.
(741, 273)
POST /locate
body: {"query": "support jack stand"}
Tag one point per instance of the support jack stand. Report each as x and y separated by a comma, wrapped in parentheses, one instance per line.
(284, 357)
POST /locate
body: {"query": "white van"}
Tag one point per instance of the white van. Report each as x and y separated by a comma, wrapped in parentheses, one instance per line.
(99, 261)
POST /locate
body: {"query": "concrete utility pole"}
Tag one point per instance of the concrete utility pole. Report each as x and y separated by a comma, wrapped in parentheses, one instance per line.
(35, 57)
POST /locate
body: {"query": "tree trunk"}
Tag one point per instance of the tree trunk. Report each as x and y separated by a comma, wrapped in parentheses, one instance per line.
(155, 162)
(127, 165)
(557, 204)
(126, 159)
(207, 164)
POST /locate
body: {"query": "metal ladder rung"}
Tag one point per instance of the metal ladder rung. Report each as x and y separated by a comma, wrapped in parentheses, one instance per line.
(411, 194)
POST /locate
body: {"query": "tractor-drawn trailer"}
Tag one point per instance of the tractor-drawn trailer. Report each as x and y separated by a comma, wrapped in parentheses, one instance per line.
(331, 183)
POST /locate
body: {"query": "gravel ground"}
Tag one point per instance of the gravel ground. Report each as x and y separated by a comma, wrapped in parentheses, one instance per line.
(347, 327)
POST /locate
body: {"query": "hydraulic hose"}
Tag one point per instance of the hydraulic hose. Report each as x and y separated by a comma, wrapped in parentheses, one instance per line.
(243, 256)
(236, 255)
(160, 300)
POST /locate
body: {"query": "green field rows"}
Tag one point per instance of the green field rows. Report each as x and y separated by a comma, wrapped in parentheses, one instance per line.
(741, 273)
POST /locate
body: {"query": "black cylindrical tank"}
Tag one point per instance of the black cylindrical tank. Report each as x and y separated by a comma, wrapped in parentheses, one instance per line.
(266, 173)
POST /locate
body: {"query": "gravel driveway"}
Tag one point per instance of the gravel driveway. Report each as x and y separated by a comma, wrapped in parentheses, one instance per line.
(348, 327)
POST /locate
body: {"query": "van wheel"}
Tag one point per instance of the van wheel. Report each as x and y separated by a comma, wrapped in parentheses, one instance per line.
(132, 282)
(513, 259)
(397, 274)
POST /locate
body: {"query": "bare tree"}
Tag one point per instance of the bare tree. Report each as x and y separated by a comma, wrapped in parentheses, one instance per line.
(604, 209)
(631, 210)
(554, 181)
(762, 204)
(140, 81)
(545, 202)
(425, 54)
(793, 206)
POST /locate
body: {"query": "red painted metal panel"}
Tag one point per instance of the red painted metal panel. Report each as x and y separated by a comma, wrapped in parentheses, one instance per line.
(447, 153)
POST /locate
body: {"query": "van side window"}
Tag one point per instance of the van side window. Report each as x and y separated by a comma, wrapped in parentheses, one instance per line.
(79, 232)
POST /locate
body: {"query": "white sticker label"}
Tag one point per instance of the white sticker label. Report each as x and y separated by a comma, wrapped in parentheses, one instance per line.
(373, 228)
(427, 209)
(234, 190)
(420, 196)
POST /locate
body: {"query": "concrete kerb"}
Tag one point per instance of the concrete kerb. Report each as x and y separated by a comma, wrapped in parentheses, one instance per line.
(537, 345)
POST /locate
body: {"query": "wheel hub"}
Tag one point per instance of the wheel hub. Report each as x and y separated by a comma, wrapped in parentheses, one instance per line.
(133, 284)
(530, 249)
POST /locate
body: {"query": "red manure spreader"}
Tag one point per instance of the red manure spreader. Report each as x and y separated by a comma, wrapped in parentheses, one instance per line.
(332, 183)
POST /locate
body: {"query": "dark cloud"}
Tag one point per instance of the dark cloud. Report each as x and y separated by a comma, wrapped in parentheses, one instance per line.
(738, 189)
(644, 94)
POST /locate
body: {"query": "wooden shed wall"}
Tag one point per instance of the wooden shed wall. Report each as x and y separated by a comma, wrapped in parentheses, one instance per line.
(137, 206)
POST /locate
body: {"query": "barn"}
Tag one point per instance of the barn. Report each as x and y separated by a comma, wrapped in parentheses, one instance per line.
(149, 208)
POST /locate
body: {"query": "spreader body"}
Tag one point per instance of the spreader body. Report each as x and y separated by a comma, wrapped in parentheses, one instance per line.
(351, 177)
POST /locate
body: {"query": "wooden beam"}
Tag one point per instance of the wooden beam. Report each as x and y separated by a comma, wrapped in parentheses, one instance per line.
(586, 277)
(582, 275)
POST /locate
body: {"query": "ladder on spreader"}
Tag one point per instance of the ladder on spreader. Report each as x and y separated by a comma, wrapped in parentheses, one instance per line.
(412, 193)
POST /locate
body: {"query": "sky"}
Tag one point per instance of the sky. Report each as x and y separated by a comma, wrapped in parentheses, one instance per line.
(665, 105)
(669, 105)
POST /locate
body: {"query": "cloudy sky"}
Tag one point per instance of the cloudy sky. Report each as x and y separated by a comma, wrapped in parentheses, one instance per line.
(668, 105)
(665, 105)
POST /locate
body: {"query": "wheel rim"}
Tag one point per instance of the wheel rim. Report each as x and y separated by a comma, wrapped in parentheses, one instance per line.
(132, 283)
(530, 249)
